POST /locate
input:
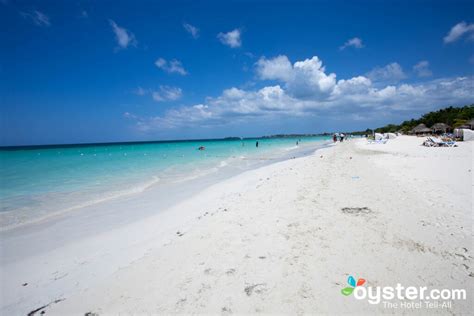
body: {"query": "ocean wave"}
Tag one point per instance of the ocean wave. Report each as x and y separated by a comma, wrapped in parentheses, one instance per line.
(197, 174)
(223, 163)
(13, 218)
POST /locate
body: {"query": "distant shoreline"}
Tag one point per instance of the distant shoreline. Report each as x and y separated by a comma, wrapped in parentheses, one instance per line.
(47, 146)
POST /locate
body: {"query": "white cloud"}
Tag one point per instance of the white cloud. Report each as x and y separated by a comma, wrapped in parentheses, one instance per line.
(167, 93)
(422, 69)
(37, 17)
(355, 97)
(311, 79)
(278, 68)
(123, 36)
(231, 39)
(353, 42)
(457, 31)
(194, 31)
(354, 85)
(173, 66)
(390, 73)
(305, 78)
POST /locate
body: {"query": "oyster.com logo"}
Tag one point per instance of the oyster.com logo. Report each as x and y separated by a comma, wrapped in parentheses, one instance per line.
(400, 296)
(353, 284)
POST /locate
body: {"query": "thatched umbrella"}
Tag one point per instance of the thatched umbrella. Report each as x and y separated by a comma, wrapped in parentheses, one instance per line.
(440, 128)
(421, 129)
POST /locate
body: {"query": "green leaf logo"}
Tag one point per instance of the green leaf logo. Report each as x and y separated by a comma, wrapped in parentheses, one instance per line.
(347, 291)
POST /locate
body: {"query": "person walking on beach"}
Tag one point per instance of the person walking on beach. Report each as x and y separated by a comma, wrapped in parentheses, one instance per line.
(334, 138)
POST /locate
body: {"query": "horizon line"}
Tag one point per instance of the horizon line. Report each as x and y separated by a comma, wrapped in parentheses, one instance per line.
(116, 143)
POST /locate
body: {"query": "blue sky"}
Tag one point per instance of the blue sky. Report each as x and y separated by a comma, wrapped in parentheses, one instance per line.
(100, 71)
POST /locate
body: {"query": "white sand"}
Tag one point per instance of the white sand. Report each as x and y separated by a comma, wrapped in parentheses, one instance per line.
(275, 240)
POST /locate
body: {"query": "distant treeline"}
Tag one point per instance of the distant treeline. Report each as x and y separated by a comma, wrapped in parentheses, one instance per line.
(453, 116)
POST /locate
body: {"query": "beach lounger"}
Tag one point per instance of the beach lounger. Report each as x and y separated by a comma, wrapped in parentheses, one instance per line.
(436, 142)
(441, 142)
(429, 143)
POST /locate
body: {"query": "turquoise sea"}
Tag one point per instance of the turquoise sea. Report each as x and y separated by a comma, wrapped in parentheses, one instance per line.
(38, 181)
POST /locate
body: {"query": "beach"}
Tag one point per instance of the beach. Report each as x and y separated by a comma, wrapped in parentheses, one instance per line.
(282, 238)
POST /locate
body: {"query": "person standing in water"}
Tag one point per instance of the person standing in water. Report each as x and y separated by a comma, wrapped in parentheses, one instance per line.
(256, 144)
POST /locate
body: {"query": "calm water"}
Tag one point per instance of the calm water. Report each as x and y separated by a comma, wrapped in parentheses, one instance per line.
(38, 182)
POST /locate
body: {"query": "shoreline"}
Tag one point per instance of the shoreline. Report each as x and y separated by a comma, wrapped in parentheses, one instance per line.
(277, 239)
(210, 174)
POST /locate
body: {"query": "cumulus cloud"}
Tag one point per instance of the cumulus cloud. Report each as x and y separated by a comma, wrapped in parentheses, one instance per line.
(124, 37)
(310, 79)
(167, 93)
(352, 86)
(194, 31)
(391, 73)
(422, 69)
(37, 17)
(355, 98)
(458, 31)
(305, 78)
(279, 68)
(172, 66)
(231, 39)
(353, 42)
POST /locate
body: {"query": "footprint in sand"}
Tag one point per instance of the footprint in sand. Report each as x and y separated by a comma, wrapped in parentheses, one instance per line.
(356, 210)
(230, 272)
(258, 288)
(180, 303)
